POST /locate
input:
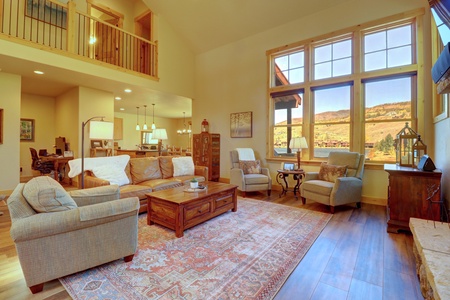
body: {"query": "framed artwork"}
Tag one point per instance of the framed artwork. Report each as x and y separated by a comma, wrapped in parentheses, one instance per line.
(96, 144)
(27, 130)
(288, 166)
(47, 12)
(241, 125)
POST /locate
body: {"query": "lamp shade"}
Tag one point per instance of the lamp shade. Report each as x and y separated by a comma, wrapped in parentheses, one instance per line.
(160, 134)
(100, 130)
(298, 143)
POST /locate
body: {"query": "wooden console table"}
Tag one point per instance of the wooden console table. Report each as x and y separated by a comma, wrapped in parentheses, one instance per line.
(408, 191)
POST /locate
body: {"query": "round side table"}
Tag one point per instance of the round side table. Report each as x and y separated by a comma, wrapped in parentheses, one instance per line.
(298, 177)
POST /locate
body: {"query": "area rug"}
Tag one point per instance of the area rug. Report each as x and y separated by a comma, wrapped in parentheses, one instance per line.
(247, 254)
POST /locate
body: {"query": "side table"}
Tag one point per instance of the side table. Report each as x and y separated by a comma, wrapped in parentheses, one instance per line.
(298, 177)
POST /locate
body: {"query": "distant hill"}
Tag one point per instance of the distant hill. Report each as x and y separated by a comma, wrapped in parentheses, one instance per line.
(375, 132)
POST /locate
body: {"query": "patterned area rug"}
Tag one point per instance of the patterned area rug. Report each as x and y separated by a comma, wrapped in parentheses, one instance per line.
(247, 254)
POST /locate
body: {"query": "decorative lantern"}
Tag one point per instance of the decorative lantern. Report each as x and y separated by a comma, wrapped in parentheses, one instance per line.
(205, 126)
(419, 149)
(404, 146)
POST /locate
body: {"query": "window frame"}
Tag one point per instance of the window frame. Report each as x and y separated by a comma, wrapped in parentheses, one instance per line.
(356, 78)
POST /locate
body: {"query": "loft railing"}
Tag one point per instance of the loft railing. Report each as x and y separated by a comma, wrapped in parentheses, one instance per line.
(59, 26)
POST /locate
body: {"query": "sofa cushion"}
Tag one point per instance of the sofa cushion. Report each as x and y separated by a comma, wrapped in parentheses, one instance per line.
(112, 173)
(250, 166)
(331, 172)
(161, 184)
(256, 179)
(318, 187)
(131, 190)
(183, 165)
(145, 168)
(166, 165)
(44, 194)
(187, 178)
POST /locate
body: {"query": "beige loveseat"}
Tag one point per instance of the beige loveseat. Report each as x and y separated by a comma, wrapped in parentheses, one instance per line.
(58, 233)
(148, 174)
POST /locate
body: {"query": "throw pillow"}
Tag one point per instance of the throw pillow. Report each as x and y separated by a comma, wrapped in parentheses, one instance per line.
(250, 166)
(331, 172)
(112, 173)
(145, 168)
(44, 194)
(183, 165)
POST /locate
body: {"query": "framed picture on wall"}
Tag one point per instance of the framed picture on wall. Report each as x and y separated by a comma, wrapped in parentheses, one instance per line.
(27, 130)
(241, 124)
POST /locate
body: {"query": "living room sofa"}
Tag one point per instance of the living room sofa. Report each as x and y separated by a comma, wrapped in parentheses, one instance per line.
(148, 174)
(57, 233)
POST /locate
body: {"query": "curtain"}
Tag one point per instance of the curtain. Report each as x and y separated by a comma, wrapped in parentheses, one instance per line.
(442, 8)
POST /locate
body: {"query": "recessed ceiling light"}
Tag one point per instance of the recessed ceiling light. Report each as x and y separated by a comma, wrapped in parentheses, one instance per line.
(118, 98)
(38, 72)
(127, 91)
(122, 108)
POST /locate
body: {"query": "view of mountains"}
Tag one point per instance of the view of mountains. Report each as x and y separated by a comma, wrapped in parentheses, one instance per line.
(328, 135)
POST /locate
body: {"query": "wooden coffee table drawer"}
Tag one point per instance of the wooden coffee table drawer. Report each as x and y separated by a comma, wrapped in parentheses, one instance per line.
(224, 199)
(194, 211)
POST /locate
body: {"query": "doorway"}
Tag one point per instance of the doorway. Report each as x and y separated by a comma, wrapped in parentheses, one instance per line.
(143, 27)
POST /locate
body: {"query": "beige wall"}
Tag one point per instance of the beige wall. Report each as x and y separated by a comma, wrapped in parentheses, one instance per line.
(232, 79)
(10, 149)
(42, 111)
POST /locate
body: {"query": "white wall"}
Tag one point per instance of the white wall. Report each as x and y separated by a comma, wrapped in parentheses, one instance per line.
(10, 149)
(233, 78)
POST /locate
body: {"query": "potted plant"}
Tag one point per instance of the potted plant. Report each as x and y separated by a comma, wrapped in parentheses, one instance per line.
(194, 183)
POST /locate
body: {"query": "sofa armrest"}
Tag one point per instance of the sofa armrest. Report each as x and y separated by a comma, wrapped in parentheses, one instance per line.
(265, 171)
(346, 188)
(91, 181)
(237, 178)
(201, 171)
(95, 195)
(311, 176)
(48, 224)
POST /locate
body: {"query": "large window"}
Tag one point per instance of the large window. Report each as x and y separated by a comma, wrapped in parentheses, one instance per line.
(333, 59)
(387, 109)
(350, 92)
(331, 120)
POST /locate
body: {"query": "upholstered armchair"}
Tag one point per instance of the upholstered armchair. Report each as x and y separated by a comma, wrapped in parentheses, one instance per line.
(338, 182)
(58, 233)
(247, 173)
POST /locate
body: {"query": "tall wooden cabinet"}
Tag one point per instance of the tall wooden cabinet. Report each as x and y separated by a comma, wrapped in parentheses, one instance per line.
(206, 152)
(408, 191)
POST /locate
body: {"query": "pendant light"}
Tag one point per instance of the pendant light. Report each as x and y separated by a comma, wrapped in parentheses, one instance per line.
(145, 121)
(137, 118)
(184, 130)
(153, 124)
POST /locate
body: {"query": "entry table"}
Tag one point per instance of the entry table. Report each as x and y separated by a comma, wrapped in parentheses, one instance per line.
(298, 177)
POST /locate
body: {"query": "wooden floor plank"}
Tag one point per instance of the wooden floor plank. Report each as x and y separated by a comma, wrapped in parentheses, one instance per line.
(353, 258)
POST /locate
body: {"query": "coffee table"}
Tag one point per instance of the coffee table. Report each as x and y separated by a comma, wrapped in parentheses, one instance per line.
(180, 209)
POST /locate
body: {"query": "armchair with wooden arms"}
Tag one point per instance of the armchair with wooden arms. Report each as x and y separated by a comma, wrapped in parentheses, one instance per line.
(247, 173)
(338, 182)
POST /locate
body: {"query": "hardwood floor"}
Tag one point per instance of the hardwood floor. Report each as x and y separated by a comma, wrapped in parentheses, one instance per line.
(353, 258)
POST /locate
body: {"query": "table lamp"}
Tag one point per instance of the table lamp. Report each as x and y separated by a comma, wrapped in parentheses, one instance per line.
(159, 134)
(298, 143)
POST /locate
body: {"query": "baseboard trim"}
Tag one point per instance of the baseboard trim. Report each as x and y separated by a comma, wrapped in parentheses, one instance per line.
(375, 201)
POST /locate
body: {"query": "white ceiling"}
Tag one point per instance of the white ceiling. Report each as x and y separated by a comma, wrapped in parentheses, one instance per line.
(203, 24)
